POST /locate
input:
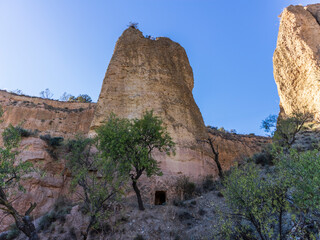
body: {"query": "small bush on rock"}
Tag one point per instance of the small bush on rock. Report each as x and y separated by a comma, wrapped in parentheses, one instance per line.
(61, 208)
(52, 141)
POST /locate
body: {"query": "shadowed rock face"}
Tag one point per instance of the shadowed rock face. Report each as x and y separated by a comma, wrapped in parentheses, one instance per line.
(296, 60)
(146, 74)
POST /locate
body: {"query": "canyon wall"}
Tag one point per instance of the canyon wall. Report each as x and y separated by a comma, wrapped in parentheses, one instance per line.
(63, 119)
(296, 60)
(143, 74)
(43, 116)
(146, 74)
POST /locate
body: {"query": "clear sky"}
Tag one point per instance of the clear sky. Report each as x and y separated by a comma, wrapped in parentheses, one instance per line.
(66, 46)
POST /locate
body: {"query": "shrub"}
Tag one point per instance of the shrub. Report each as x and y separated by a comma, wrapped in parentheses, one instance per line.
(101, 227)
(26, 132)
(221, 129)
(52, 141)
(184, 216)
(202, 212)
(83, 98)
(185, 187)
(13, 232)
(257, 200)
(263, 158)
(139, 237)
(61, 208)
(133, 25)
(208, 184)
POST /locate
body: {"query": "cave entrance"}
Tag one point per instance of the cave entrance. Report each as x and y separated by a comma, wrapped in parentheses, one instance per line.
(160, 198)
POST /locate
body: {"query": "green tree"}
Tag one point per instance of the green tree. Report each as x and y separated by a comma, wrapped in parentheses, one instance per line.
(97, 177)
(131, 144)
(258, 202)
(303, 172)
(280, 203)
(285, 130)
(83, 98)
(12, 171)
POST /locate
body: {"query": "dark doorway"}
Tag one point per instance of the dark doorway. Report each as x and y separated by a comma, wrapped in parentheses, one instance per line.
(160, 198)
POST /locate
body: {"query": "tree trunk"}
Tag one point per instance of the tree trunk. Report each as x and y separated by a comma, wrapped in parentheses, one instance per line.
(136, 189)
(26, 226)
(91, 223)
(216, 158)
(280, 224)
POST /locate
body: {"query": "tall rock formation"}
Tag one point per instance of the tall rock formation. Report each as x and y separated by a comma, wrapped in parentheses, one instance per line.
(146, 74)
(296, 60)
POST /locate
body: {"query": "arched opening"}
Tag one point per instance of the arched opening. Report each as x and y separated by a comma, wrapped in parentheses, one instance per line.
(160, 197)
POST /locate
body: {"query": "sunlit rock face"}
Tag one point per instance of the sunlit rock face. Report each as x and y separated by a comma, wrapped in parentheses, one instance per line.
(63, 119)
(296, 60)
(42, 116)
(146, 74)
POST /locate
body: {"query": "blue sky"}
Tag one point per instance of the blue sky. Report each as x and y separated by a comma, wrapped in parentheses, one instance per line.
(66, 46)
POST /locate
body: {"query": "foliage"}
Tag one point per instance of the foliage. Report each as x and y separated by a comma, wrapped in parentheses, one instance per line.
(130, 144)
(257, 200)
(264, 157)
(46, 94)
(133, 25)
(52, 141)
(221, 129)
(13, 233)
(12, 171)
(233, 131)
(83, 98)
(208, 183)
(285, 130)
(185, 187)
(269, 125)
(303, 172)
(96, 175)
(281, 203)
(61, 208)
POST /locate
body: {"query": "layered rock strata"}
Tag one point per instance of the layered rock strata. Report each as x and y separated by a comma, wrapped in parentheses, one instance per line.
(63, 119)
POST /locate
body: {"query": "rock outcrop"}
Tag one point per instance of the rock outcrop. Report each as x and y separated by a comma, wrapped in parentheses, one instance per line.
(236, 147)
(43, 116)
(296, 60)
(143, 74)
(146, 74)
(63, 119)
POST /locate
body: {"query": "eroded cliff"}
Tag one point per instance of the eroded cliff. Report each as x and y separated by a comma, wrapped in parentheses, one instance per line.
(296, 60)
(146, 74)
(143, 74)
